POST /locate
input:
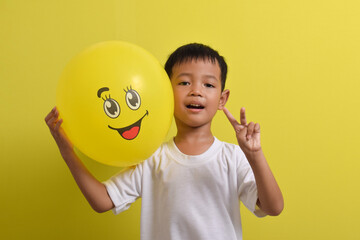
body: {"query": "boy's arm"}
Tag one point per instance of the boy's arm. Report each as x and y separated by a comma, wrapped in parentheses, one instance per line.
(270, 199)
(94, 191)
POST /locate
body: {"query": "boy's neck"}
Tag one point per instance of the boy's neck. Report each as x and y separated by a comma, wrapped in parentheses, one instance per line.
(193, 141)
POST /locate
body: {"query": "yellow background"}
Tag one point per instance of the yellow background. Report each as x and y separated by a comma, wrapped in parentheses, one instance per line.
(294, 65)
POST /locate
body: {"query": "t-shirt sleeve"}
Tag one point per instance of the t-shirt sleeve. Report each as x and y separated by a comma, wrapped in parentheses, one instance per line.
(247, 189)
(124, 188)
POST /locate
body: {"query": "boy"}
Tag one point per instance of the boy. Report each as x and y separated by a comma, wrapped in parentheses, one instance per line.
(191, 186)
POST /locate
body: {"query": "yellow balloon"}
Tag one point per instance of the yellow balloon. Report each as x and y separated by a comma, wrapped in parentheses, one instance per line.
(116, 103)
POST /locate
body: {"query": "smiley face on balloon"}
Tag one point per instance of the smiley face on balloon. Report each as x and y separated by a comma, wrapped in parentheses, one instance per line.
(112, 110)
(116, 103)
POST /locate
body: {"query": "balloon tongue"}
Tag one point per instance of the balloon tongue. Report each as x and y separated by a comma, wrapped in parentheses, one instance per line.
(131, 134)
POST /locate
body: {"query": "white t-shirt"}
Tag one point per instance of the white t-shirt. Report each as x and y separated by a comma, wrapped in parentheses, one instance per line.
(188, 197)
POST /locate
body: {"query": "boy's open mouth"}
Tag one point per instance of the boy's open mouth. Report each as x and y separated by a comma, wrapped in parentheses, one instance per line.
(195, 106)
(130, 132)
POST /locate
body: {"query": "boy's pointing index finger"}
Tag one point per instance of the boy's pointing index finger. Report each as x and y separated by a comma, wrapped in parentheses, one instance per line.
(231, 118)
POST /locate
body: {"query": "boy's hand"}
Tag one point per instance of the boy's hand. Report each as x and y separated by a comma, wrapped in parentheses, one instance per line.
(94, 191)
(270, 199)
(248, 135)
(54, 124)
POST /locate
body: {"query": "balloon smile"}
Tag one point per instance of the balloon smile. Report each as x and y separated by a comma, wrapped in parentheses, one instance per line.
(130, 132)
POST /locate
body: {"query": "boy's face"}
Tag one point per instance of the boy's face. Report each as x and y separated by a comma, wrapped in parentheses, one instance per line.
(197, 92)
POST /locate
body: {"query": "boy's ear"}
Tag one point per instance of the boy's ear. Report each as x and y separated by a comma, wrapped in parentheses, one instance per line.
(223, 99)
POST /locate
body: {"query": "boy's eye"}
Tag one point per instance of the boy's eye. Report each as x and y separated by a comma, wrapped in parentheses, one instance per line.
(184, 83)
(209, 85)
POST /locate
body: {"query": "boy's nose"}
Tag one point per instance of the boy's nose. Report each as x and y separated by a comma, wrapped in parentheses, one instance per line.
(195, 91)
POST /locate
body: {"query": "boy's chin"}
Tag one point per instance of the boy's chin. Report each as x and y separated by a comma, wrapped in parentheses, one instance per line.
(192, 123)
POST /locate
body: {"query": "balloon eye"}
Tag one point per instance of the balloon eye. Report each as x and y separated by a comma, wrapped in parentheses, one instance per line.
(111, 108)
(132, 99)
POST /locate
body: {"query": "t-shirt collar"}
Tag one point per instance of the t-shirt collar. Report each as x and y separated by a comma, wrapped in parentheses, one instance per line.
(193, 160)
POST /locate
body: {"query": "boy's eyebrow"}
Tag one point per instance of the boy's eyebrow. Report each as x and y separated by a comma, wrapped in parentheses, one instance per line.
(183, 74)
(189, 74)
(211, 76)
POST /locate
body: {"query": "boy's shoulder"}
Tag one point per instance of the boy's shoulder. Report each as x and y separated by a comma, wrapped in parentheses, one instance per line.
(229, 145)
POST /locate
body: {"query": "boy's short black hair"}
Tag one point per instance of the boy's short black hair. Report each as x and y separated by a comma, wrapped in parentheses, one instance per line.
(195, 51)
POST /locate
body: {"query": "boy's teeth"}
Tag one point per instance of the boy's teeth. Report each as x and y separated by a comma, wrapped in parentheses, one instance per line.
(195, 106)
